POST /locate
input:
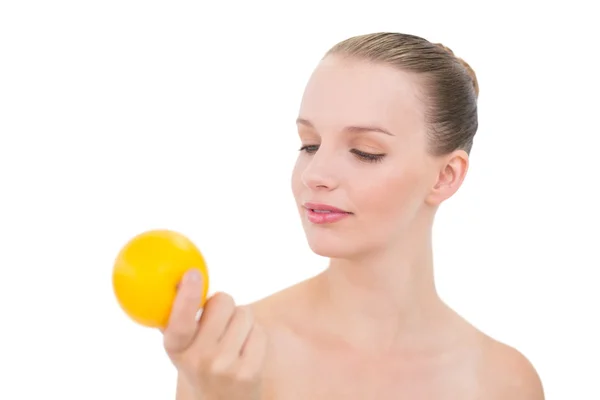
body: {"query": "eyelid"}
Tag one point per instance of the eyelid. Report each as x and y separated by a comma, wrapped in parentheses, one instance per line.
(356, 151)
(369, 157)
(306, 147)
(361, 155)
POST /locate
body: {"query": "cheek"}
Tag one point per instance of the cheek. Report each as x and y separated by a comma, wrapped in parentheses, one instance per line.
(391, 196)
(296, 180)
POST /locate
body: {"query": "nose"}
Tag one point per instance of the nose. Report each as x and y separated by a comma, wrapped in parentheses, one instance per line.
(320, 172)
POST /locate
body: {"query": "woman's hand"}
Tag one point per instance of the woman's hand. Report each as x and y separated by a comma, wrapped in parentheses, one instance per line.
(221, 356)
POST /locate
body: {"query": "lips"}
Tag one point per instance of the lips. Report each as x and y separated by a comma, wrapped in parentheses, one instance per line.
(324, 214)
(324, 208)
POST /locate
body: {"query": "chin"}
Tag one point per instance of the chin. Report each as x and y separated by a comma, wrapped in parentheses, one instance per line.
(330, 245)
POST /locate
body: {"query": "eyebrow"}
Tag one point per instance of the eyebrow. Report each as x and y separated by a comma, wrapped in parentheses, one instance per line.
(352, 128)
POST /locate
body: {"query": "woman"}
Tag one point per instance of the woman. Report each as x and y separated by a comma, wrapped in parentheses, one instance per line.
(386, 123)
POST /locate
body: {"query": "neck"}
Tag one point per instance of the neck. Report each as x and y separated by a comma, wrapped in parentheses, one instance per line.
(382, 297)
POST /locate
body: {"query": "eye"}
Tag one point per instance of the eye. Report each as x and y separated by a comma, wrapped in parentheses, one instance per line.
(310, 149)
(368, 157)
(361, 155)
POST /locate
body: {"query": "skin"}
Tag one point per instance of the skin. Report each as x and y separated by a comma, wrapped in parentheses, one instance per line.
(372, 324)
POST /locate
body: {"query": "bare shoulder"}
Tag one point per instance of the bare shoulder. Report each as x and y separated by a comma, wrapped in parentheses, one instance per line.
(509, 374)
(279, 307)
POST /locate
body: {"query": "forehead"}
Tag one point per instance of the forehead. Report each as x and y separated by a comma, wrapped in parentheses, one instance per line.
(343, 92)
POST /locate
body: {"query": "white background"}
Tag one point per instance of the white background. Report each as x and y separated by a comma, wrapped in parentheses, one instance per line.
(122, 116)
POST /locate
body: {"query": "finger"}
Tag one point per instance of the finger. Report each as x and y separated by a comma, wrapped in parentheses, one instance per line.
(215, 317)
(182, 325)
(254, 351)
(230, 346)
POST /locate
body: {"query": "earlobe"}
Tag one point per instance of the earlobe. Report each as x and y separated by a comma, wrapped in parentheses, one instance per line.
(450, 176)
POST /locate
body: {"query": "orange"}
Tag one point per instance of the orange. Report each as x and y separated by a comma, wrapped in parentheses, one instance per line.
(147, 271)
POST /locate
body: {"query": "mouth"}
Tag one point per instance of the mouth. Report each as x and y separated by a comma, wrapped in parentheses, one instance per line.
(324, 214)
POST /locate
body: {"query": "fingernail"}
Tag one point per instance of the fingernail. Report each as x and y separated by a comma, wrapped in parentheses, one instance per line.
(192, 275)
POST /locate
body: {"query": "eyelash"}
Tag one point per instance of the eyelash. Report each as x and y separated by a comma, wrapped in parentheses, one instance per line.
(367, 157)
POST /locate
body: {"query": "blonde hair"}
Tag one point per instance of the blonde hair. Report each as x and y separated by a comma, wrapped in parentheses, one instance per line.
(449, 83)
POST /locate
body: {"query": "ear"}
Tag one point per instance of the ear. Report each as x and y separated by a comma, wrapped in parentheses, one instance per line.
(451, 170)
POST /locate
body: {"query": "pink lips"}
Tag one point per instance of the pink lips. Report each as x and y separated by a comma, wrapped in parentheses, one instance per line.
(324, 214)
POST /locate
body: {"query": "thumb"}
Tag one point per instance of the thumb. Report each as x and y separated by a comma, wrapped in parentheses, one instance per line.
(182, 325)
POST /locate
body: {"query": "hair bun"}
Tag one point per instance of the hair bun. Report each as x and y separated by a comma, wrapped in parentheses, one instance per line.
(447, 49)
(465, 64)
